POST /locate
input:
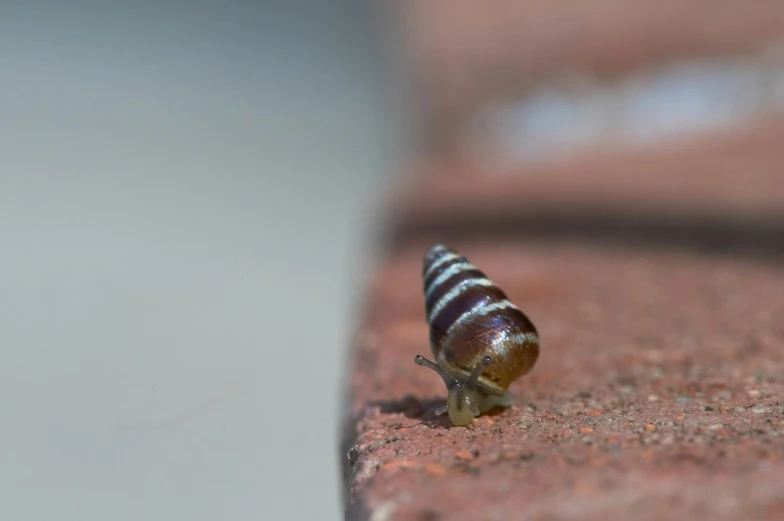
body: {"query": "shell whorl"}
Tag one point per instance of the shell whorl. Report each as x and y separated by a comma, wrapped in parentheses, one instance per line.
(469, 317)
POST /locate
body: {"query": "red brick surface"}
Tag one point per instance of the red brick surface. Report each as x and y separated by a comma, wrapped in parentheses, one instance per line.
(658, 394)
(654, 276)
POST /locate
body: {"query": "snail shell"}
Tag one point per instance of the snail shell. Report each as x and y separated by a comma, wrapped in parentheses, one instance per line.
(475, 331)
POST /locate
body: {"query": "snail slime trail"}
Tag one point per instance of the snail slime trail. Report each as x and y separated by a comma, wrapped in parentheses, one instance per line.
(480, 341)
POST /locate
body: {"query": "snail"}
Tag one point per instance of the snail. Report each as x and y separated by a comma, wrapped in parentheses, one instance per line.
(481, 342)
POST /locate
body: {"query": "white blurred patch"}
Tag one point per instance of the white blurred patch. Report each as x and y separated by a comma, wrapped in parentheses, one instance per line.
(648, 107)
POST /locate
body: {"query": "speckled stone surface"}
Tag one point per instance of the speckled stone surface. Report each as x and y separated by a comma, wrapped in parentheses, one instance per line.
(659, 393)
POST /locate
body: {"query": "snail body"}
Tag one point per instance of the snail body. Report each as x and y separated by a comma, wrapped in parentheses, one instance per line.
(480, 341)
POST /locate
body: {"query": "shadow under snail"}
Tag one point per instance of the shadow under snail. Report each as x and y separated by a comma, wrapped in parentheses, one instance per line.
(481, 342)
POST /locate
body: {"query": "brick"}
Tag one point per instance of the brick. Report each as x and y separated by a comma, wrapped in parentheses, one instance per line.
(704, 335)
(658, 393)
(720, 191)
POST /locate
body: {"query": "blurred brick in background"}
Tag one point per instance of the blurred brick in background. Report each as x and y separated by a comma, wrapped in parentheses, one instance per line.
(467, 55)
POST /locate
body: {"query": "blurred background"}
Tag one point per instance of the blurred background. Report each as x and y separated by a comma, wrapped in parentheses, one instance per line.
(190, 195)
(185, 193)
(627, 119)
(531, 77)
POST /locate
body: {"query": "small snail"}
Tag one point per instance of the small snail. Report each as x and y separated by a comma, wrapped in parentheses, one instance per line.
(481, 342)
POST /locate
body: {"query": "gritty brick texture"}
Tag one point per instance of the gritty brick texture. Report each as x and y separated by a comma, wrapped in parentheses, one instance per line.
(658, 393)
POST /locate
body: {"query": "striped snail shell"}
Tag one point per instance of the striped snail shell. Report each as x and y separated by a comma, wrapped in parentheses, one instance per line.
(481, 342)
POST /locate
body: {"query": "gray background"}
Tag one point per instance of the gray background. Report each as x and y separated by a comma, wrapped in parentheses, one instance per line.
(185, 194)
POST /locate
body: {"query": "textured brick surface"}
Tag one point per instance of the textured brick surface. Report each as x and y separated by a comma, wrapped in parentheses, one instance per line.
(658, 393)
(654, 276)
